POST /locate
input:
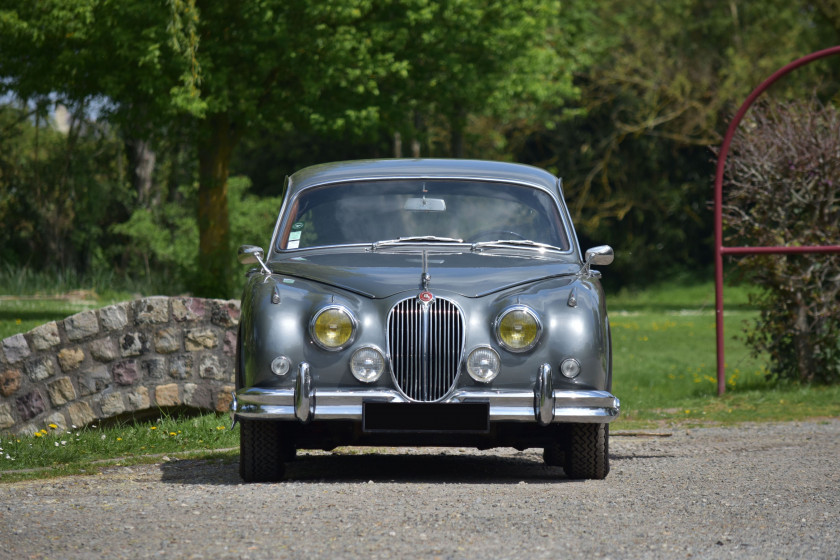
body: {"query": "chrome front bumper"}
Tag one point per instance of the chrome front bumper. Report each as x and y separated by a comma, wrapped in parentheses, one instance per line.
(543, 405)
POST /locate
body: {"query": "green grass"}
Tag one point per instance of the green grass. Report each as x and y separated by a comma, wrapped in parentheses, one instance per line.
(665, 362)
(22, 315)
(57, 452)
(664, 374)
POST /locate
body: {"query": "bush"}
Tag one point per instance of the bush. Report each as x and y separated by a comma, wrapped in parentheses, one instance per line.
(782, 190)
(164, 241)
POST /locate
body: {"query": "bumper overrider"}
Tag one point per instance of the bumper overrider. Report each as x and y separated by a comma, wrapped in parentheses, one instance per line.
(543, 405)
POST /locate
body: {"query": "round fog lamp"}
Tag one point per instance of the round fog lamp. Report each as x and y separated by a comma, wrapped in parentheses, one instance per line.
(570, 368)
(518, 329)
(367, 364)
(281, 365)
(483, 364)
(332, 328)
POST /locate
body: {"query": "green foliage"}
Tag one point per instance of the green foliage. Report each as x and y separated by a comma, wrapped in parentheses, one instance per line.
(621, 99)
(164, 242)
(664, 78)
(58, 190)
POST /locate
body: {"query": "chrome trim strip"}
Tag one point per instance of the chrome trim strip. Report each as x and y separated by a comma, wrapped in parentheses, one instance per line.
(511, 406)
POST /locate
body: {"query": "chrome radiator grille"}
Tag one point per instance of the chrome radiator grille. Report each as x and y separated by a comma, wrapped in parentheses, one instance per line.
(425, 342)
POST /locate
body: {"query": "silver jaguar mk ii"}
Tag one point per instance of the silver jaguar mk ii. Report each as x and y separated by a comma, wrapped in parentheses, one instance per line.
(424, 303)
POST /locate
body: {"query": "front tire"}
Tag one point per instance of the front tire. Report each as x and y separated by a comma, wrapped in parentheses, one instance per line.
(263, 450)
(588, 451)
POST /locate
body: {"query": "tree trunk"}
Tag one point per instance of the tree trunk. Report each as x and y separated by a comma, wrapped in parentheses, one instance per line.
(215, 147)
(397, 145)
(141, 163)
(802, 340)
(457, 126)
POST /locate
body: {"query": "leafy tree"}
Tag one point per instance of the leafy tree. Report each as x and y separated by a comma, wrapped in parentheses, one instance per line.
(491, 58)
(59, 189)
(215, 69)
(664, 79)
(218, 71)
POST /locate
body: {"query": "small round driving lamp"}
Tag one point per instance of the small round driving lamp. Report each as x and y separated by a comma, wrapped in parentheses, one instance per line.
(483, 364)
(367, 364)
(333, 327)
(570, 368)
(518, 329)
(281, 365)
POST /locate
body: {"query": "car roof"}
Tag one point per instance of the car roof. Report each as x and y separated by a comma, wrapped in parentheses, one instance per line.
(422, 169)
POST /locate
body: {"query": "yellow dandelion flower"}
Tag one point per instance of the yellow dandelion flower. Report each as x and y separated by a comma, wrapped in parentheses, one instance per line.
(39, 434)
(153, 428)
(53, 426)
(119, 439)
(220, 427)
(172, 434)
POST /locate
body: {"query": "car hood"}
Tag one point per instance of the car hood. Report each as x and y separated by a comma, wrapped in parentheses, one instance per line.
(383, 273)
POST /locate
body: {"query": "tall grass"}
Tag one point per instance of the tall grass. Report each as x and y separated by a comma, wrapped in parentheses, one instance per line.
(102, 283)
(31, 298)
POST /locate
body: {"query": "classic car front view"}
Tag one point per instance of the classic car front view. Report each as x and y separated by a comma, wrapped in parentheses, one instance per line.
(424, 302)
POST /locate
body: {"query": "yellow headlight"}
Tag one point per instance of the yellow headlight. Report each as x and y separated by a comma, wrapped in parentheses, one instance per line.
(518, 329)
(333, 328)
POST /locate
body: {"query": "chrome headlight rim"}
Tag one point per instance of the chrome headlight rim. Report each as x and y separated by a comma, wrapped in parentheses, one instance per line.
(354, 324)
(381, 354)
(469, 369)
(507, 311)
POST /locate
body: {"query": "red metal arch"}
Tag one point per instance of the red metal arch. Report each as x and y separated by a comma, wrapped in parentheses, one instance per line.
(720, 250)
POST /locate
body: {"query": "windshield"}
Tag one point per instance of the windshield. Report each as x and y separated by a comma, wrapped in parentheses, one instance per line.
(468, 211)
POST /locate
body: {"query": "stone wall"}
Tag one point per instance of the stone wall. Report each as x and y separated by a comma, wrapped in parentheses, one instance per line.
(128, 357)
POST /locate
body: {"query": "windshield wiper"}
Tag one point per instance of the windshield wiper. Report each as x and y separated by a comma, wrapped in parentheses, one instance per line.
(479, 245)
(415, 239)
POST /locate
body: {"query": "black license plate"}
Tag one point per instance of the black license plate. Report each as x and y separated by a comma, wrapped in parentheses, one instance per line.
(426, 417)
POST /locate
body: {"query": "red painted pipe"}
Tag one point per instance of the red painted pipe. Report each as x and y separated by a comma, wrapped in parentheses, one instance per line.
(720, 250)
(779, 250)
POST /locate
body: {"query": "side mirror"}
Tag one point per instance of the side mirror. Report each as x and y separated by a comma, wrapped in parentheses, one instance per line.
(599, 256)
(251, 254)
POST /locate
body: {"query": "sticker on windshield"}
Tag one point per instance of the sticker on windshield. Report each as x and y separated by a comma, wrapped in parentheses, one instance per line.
(294, 235)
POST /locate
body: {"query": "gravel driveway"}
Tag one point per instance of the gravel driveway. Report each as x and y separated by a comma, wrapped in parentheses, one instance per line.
(758, 491)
